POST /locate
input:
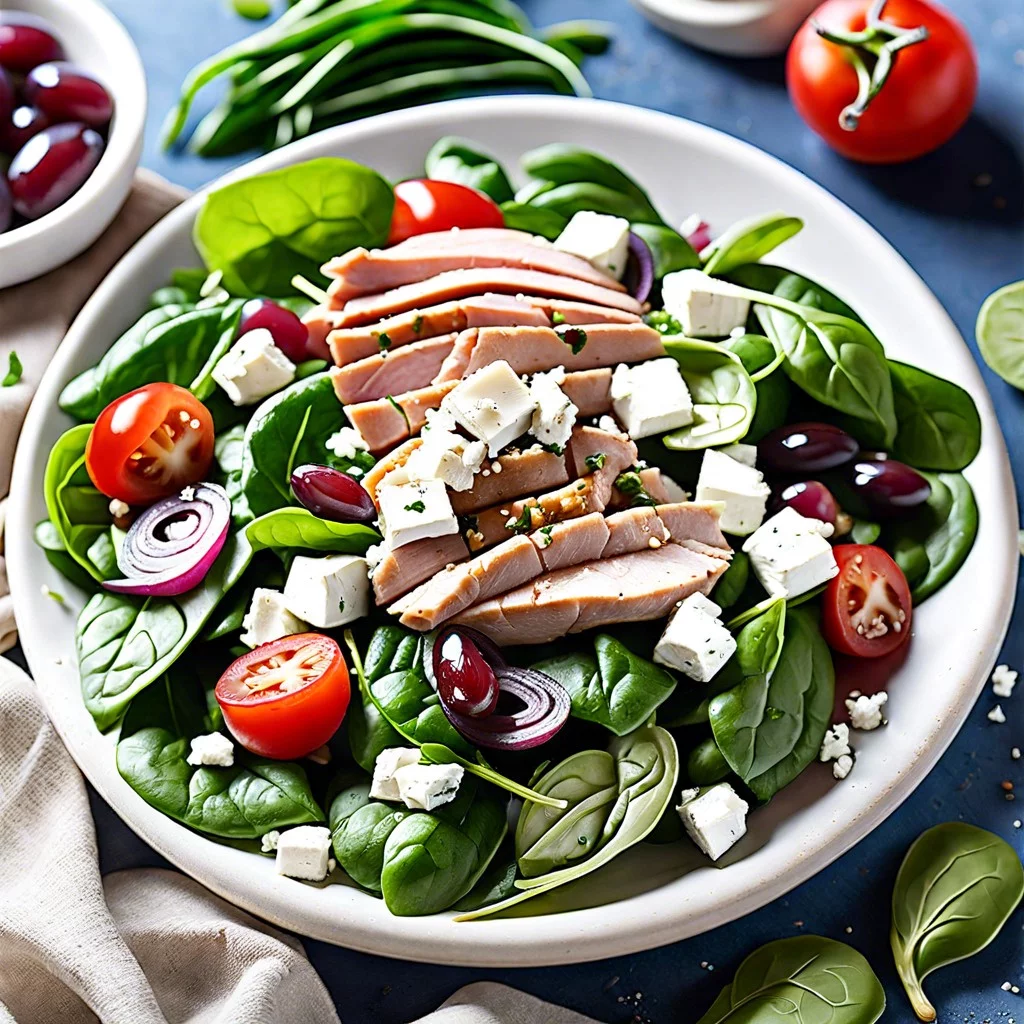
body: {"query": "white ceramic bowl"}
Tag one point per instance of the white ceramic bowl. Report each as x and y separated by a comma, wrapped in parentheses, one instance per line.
(95, 39)
(663, 893)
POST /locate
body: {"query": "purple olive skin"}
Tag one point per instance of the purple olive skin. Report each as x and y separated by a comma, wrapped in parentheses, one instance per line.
(889, 487)
(805, 448)
(25, 42)
(464, 678)
(7, 97)
(331, 494)
(811, 498)
(52, 166)
(290, 334)
(16, 130)
(65, 92)
(6, 208)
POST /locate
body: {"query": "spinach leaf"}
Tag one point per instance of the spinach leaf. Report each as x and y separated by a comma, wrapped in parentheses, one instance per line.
(749, 241)
(227, 331)
(227, 451)
(287, 430)
(613, 687)
(455, 159)
(263, 230)
(724, 398)
(805, 978)
(360, 827)
(771, 408)
(573, 197)
(731, 584)
(523, 217)
(938, 422)
(645, 768)
(955, 890)
(496, 883)
(770, 726)
(48, 537)
(706, 764)
(670, 250)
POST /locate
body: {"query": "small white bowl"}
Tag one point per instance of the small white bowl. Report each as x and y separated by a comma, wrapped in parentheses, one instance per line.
(736, 28)
(94, 39)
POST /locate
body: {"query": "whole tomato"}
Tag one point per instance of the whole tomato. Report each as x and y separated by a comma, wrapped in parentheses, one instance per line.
(882, 82)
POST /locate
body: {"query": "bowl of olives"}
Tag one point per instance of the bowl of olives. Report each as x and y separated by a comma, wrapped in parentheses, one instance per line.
(72, 112)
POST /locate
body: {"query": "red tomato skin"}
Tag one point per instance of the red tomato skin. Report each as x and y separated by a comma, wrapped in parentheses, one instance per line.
(125, 424)
(423, 205)
(290, 725)
(836, 626)
(926, 100)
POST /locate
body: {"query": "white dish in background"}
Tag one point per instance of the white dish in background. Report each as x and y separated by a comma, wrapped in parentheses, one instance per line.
(93, 38)
(667, 892)
(736, 28)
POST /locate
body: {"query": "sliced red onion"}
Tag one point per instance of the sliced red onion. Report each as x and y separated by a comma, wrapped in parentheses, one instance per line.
(171, 546)
(639, 276)
(697, 232)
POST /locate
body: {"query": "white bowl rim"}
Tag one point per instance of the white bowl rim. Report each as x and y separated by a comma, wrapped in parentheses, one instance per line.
(637, 923)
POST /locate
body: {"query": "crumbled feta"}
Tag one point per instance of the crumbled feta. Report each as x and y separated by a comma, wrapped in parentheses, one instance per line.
(842, 767)
(745, 453)
(253, 368)
(599, 238)
(384, 785)
(118, 508)
(836, 742)
(790, 554)
(695, 642)
(212, 748)
(555, 415)
(866, 712)
(374, 556)
(715, 819)
(493, 404)
(997, 715)
(706, 307)
(268, 618)
(651, 398)
(414, 511)
(268, 842)
(187, 493)
(426, 786)
(739, 485)
(327, 592)
(446, 456)
(1004, 679)
(304, 852)
(346, 443)
(609, 425)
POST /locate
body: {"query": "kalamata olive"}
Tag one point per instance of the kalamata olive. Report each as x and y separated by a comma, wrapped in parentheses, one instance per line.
(16, 130)
(331, 494)
(7, 98)
(25, 42)
(805, 448)
(290, 334)
(51, 166)
(6, 210)
(889, 487)
(465, 682)
(65, 92)
(811, 498)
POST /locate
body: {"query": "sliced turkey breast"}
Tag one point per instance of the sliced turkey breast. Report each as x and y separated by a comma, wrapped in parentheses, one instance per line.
(411, 564)
(387, 422)
(513, 474)
(391, 373)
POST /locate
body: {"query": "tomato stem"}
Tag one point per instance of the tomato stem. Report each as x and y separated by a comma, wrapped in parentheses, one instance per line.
(871, 52)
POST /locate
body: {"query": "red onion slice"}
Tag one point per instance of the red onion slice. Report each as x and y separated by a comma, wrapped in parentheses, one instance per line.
(639, 276)
(171, 546)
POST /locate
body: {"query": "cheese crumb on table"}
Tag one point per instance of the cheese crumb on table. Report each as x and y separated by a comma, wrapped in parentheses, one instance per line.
(836, 742)
(383, 786)
(268, 618)
(1004, 679)
(866, 712)
(213, 748)
(715, 819)
(304, 852)
(423, 787)
(996, 715)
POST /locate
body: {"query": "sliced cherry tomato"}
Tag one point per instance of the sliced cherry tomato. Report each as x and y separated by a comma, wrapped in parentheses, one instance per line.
(866, 609)
(922, 102)
(423, 205)
(149, 444)
(286, 698)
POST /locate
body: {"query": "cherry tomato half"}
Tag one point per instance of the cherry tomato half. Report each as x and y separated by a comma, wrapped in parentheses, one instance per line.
(286, 698)
(923, 102)
(422, 205)
(866, 609)
(149, 444)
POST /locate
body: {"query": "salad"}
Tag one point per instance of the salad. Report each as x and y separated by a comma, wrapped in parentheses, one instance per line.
(456, 538)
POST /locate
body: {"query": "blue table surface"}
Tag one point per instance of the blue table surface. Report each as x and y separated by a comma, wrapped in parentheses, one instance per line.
(957, 216)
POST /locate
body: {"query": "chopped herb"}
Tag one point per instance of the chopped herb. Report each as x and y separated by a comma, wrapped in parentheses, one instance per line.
(383, 341)
(522, 524)
(417, 325)
(575, 338)
(555, 449)
(14, 371)
(416, 506)
(341, 606)
(557, 318)
(254, 10)
(595, 462)
(398, 408)
(664, 322)
(630, 484)
(546, 531)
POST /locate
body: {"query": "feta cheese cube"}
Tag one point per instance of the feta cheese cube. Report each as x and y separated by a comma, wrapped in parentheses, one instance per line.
(268, 618)
(212, 748)
(413, 511)
(740, 486)
(842, 767)
(493, 404)
(555, 415)
(706, 307)
(790, 554)
(695, 642)
(327, 592)
(836, 742)
(446, 456)
(866, 711)
(304, 852)
(651, 398)
(745, 453)
(384, 786)
(1004, 679)
(599, 238)
(253, 368)
(426, 786)
(715, 819)
(346, 443)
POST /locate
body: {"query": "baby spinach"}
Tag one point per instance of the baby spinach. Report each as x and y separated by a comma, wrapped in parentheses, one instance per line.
(48, 538)
(496, 883)
(706, 764)
(757, 354)
(1000, 332)
(227, 331)
(523, 217)
(227, 451)
(455, 159)
(670, 250)
(724, 398)
(360, 827)
(731, 584)
(955, 890)
(644, 766)
(287, 430)
(613, 686)
(802, 979)
(573, 197)
(261, 231)
(749, 241)
(938, 422)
